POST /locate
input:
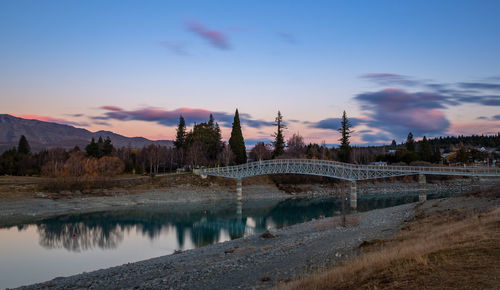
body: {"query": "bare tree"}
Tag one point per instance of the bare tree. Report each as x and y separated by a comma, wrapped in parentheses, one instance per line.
(226, 156)
(54, 163)
(110, 166)
(152, 158)
(75, 165)
(195, 155)
(260, 152)
(295, 146)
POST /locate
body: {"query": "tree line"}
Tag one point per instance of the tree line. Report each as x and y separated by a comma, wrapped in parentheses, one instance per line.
(202, 145)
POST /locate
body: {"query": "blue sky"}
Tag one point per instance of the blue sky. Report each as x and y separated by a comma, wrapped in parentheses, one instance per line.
(394, 66)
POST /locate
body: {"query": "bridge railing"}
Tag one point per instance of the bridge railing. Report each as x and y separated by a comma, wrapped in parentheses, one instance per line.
(409, 169)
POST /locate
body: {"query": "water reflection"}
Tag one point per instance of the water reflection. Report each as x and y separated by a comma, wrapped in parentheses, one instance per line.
(201, 224)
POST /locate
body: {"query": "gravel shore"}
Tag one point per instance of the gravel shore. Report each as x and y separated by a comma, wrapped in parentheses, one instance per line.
(255, 261)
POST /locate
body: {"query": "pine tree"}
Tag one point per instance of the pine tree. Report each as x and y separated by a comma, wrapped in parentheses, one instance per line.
(345, 147)
(107, 148)
(436, 155)
(92, 149)
(180, 139)
(410, 142)
(393, 145)
(218, 137)
(211, 121)
(279, 141)
(425, 150)
(100, 147)
(237, 142)
(24, 146)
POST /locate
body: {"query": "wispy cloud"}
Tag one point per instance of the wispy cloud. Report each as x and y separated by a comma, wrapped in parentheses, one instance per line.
(389, 79)
(53, 120)
(102, 123)
(75, 115)
(176, 48)
(214, 37)
(287, 37)
(171, 117)
(253, 141)
(371, 138)
(480, 86)
(333, 123)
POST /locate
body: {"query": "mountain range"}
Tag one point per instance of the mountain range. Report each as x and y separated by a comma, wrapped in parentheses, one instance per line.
(45, 135)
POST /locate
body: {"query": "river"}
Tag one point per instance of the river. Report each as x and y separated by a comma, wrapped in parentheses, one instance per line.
(71, 244)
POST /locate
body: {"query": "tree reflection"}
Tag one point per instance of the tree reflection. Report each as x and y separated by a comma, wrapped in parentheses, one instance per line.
(77, 237)
(200, 224)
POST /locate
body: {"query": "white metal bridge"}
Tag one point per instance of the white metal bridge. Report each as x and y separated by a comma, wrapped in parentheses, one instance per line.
(345, 171)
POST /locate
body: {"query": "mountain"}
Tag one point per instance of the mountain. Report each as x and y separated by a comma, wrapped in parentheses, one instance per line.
(43, 135)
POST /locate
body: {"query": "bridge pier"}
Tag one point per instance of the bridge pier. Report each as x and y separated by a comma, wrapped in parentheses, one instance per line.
(239, 210)
(353, 197)
(239, 189)
(422, 192)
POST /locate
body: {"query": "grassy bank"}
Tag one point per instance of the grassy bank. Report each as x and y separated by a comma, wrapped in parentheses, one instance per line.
(445, 246)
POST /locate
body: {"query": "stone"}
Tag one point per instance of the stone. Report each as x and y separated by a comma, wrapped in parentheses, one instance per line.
(267, 235)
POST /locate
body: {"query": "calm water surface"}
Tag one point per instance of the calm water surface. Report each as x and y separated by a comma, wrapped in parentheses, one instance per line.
(71, 244)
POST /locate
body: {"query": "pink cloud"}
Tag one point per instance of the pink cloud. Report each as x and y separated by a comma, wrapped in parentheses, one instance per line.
(52, 120)
(171, 117)
(398, 112)
(216, 38)
(476, 128)
(111, 108)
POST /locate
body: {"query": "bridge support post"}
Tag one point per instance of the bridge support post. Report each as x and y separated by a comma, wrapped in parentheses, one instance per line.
(239, 189)
(353, 196)
(422, 192)
(239, 210)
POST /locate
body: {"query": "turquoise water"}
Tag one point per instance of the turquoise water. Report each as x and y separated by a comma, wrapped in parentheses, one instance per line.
(71, 244)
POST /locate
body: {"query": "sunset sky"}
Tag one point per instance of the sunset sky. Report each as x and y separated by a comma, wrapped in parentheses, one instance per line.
(429, 67)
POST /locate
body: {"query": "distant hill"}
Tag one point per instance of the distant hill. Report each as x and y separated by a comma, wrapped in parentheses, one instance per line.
(43, 135)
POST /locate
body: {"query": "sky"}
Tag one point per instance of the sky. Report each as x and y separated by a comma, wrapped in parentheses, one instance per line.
(132, 67)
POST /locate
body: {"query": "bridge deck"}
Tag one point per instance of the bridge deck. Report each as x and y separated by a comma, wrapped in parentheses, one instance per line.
(339, 170)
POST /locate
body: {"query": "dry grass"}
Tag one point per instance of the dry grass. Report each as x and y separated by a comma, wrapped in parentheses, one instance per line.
(445, 250)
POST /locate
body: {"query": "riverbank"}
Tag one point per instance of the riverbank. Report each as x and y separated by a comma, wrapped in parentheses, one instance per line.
(450, 243)
(305, 250)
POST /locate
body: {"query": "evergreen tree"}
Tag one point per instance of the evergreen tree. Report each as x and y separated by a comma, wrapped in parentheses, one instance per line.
(425, 150)
(107, 147)
(211, 121)
(92, 149)
(436, 155)
(410, 142)
(100, 147)
(24, 146)
(393, 145)
(218, 138)
(180, 139)
(237, 142)
(279, 141)
(345, 147)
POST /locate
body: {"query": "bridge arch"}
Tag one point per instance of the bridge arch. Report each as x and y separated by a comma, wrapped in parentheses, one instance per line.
(339, 170)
